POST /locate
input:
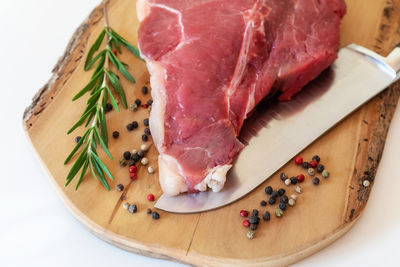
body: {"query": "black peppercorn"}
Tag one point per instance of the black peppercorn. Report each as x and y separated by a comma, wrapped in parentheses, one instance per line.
(115, 134)
(254, 212)
(129, 127)
(272, 200)
(315, 181)
(147, 131)
(138, 102)
(135, 124)
(77, 139)
(148, 211)
(268, 190)
(266, 216)
(320, 168)
(284, 199)
(145, 90)
(119, 187)
(140, 153)
(127, 155)
(293, 180)
(145, 138)
(283, 176)
(135, 157)
(108, 107)
(316, 158)
(281, 192)
(150, 102)
(146, 122)
(282, 206)
(132, 162)
(253, 227)
(263, 203)
(132, 208)
(304, 165)
(274, 194)
(254, 219)
(155, 215)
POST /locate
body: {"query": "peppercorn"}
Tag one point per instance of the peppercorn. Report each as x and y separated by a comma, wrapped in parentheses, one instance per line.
(315, 181)
(279, 213)
(268, 190)
(135, 124)
(272, 200)
(155, 215)
(293, 180)
(133, 176)
(254, 212)
(144, 138)
(138, 102)
(129, 127)
(127, 155)
(126, 205)
(292, 202)
(108, 107)
(266, 216)
(122, 162)
(298, 160)
(147, 131)
(246, 223)
(316, 158)
(135, 157)
(132, 163)
(144, 161)
(250, 234)
(311, 172)
(282, 206)
(313, 164)
(132, 169)
(132, 208)
(283, 176)
(366, 183)
(288, 182)
(145, 106)
(263, 203)
(305, 165)
(275, 194)
(150, 170)
(150, 102)
(144, 147)
(77, 139)
(293, 197)
(325, 174)
(300, 178)
(148, 211)
(150, 197)
(133, 151)
(320, 168)
(281, 192)
(119, 187)
(115, 134)
(253, 227)
(145, 90)
(244, 213)
(298, 189)
(140, 153)
(253, 219)
(146, 122)
(284, 199)
(133, 107)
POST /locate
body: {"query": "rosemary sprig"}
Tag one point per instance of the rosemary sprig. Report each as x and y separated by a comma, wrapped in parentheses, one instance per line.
(99, 87)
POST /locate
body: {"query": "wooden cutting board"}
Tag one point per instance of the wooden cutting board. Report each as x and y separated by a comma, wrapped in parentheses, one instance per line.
(351, 151)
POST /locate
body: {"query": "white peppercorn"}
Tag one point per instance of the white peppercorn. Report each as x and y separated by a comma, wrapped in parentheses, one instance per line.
(288, 182)
(298, 189)
(311, 171)
(292, 202)
(144, 161)
(150, 169)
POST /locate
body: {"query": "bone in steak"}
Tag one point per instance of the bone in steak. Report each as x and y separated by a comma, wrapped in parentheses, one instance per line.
(212, 61)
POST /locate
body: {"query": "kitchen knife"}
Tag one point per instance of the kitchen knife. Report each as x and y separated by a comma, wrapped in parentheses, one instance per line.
(277, 131)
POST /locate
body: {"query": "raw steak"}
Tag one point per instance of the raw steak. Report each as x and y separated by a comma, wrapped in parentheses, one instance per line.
(212, 61)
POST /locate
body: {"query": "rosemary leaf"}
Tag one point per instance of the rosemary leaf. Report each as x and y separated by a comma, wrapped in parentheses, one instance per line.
(100, 173)
(113, 102)
(102, 143)
(102, 166)
(120, 67)
(81, 120)
(89, 86)
(94, 48)
(103, 127)
(78, 145)
(116, 84)
(83, 172)
(125, 43)
(99, 55)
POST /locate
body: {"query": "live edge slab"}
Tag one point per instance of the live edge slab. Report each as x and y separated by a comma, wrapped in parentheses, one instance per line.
(351, 151)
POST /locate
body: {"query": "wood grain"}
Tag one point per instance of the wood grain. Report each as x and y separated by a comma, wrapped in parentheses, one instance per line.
(351, 151)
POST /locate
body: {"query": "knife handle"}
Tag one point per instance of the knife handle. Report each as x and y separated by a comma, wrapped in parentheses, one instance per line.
(393, 60)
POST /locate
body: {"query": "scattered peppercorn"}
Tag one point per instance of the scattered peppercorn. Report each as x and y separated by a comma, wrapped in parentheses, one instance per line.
(315, 181)
(150, 170)
(145, 106)
(293, 196)
(133, 169)
(294, 180)
(145, 90)
(253, 219)
(147, 131)
(271, 200)
(122, 162)
(313, 164)
(155, 215)
(288, 182)
(148, 211)
(138, 102)
(129, 127)
(282, 206)
(305, 165)
(316, 158)
(320, 168)
(119, 187)
(140, 153)
(115, 134)
(150, 197)
(132, 163)
(254, 212)
(133, 107)
(144, 147)
(283, 176)
(250, 234)
(263, 203)
(298, 160)
(126, 205)
(132, 208)
(145, 138)
(292, 202)
(325, 174)
(298, 189)
(275, 194)
(246, 223)
(253, 227)
(108, 107)
(311, 172)
(284, 199)
(244, 213)
(133, 176)
(77, 139)
(150, 102)
(366, 183)
(127, 155)
(144, 161)
(266, 216)
(146, 122)
(281, 192)
(300, 178)
(268, 190)
(135, 124)
(279, 213)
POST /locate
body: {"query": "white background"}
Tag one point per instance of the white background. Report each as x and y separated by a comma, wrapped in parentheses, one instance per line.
(37, 230)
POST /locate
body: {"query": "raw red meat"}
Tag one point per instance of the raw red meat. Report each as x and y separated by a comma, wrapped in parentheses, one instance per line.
(212, 61)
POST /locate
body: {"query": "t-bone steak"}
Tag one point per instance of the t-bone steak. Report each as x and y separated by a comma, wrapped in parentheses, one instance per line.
(212, 61)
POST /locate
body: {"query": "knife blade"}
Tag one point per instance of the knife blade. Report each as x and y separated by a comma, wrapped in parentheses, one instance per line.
(277, 132)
